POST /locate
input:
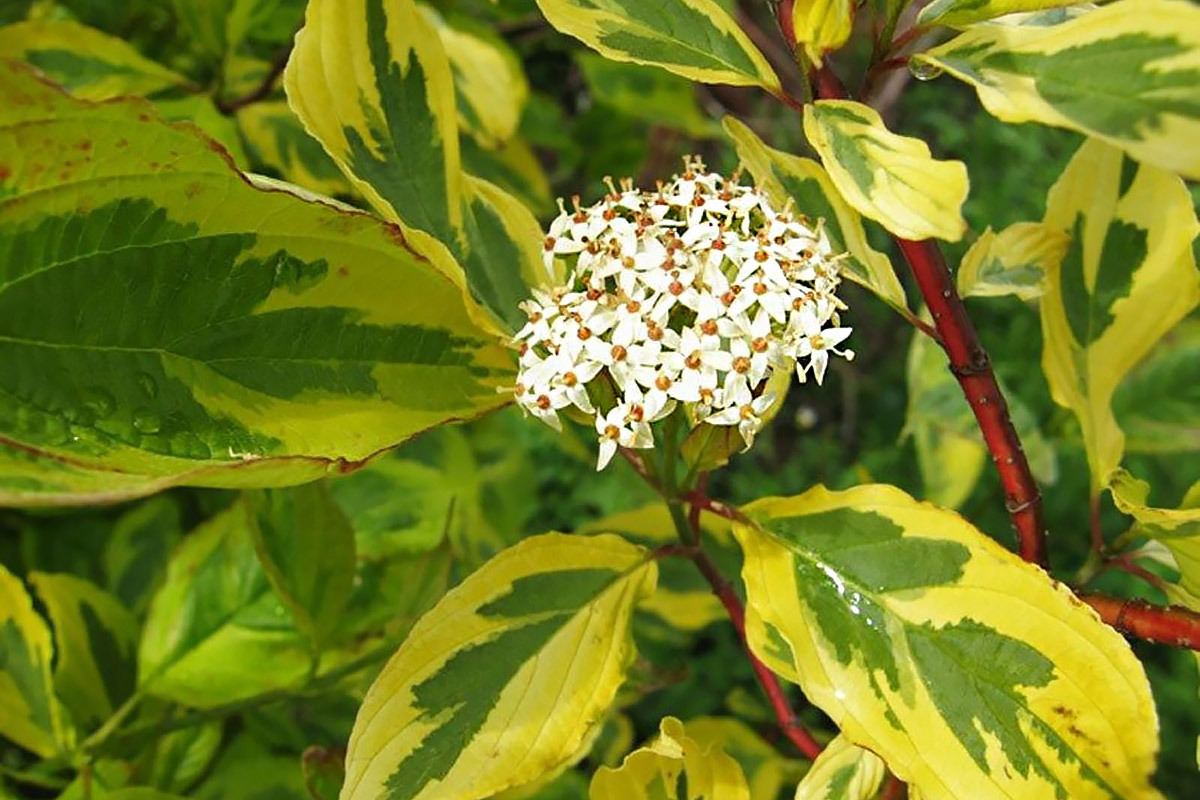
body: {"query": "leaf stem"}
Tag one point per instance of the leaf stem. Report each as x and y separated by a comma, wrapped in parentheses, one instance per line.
(971, 366)
(264, 88)
(1171, 625)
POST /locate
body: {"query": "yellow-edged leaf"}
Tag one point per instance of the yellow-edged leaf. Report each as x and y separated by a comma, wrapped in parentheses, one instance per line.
(276, 139)
(1177, 528)
(1127, 277)
(86, 62)
(784, 176)
(963, 13)
(1158, 404)
(489, 83)
(822, 25)
(1127, 72)
(697, 39)
(767, 772)
(506, 677)
(370, 79)
(96, 638)
(889, 178)
(30, 714)
(843, 771)
(969, 671)
(653, 772)
(1014, 261)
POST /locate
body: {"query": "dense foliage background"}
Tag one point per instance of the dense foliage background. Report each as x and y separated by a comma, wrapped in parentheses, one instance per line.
(456, 495)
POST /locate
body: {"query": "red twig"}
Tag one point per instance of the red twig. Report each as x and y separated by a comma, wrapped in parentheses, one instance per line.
(970, 364)
(1094, 524)
(1171, 625)
(894, 789)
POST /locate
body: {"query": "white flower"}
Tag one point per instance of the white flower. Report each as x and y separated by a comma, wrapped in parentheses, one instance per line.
(623, 426)
(816, 344)
(748, 417)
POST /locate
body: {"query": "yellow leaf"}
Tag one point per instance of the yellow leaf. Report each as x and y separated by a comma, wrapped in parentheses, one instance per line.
(1177, 528)
(86, 62)
(843, 771)
(652, 772)
(784, 176)
(822, 25)
(970, 672)
(889, 178)
(767, 772)
(697, 39)
(1013, 261)
(1127, 72)
(30, 714)
(506, 677)
(1127, 277)
(963, 13)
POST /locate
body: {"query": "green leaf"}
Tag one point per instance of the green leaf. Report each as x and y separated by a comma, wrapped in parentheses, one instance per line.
(697, 39)
(96, 643)
(276, 140)
(787, 177)
(646, 94)
(396, 507)
(843, 771)
(970, 672)
(30, 713)
(86, 62)
(1128, 276)
(306, 546)
(673, 765)
(138, 548)
(216, 632)
(247, 771)
(452, 714)
(379, 95)
(181, 757)
(163, 321)
(891, 179)
(1127, 73)
(1014, 261)
(1158, 404)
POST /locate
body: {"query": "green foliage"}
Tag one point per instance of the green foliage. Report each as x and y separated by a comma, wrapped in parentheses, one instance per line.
(269, 528)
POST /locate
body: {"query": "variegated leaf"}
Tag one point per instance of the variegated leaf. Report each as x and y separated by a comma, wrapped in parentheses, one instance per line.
(1127, 73)
(697, 39)
(767, 771)
(490, 88)
(506, 677)
(785, 177)
(306, 547)
(96, 638)
(1177, 528)
(276, 139)
(822, 25)
(371, 81)
(216, 633)
(655, 771)
(138, 548)
(843, 771)
(1158, 405)
(964, 13)
(1128, 276)
(275, 339)
(30, 713)
(1014, 261)
(889, 178)
(969, 671)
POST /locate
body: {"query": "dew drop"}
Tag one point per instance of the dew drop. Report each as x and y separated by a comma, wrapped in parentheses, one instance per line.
(148, 385)
(146, 421)
(924, 70)
(99, 401)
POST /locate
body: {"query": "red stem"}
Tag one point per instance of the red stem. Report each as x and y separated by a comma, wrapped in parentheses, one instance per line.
(970, 364)
(894, 789)
(1094, 524)
(1170, 625)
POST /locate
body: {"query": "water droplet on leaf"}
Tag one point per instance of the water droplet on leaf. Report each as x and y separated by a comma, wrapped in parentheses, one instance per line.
(147, 421)
(924, 70)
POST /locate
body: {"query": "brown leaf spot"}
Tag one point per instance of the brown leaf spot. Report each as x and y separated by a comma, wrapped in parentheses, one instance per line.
(343, 272)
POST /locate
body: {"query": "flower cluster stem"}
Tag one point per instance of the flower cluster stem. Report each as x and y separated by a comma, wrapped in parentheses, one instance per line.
(971, 366)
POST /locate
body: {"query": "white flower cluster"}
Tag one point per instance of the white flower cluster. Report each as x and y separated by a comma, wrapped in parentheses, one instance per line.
(691, 294)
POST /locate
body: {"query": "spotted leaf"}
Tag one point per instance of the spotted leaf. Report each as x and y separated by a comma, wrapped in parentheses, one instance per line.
(672, 761)
(506, 677)
(370, 79)
(697, 39)
(1127, 73)
(843, 771)
(889, 178)
(969, 671)
(30, 713)
(1127, 277)
(163, 321)
(787, 177)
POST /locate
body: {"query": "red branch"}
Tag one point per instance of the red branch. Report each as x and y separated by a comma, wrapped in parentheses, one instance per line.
(788, 722)
(1171, 625)
(970, 364)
